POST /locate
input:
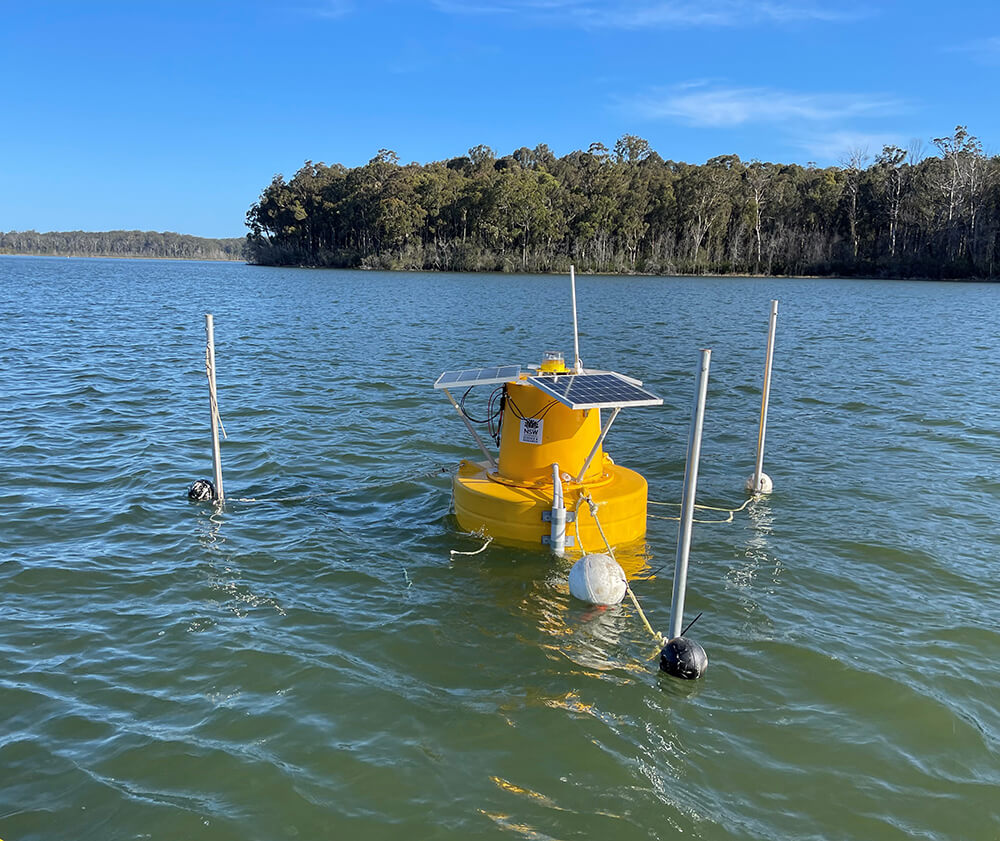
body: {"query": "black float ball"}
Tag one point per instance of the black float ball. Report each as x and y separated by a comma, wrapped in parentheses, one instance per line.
(201, 490)
(683, 658)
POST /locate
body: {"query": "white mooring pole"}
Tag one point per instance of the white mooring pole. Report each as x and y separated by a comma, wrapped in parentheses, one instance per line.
(687, 505)
(760, 482)
(683, 657)
(214, 403)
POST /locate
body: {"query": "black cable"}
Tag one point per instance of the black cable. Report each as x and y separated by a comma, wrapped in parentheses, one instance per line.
(495, 409)
(461, 405)
(537, 416)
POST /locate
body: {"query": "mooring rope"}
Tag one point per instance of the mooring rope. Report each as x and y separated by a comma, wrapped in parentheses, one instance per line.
(661, 640)
(729, 511)
(597, 521)
(211, 394)
(482, 548)
(593, 506)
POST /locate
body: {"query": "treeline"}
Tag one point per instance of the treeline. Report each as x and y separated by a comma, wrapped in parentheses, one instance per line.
(628, 210)
(121, 244)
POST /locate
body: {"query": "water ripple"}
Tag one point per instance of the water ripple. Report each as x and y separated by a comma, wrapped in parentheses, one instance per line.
(311, 662)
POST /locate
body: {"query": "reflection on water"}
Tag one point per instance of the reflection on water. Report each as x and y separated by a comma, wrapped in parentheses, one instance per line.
(756, 575)
(757, 555)
(225, 580)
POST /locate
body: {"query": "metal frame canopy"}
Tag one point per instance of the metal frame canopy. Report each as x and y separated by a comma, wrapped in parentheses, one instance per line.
(478, 376)
(608, 390)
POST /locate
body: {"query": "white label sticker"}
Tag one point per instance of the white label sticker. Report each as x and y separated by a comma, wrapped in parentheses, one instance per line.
(531, 431)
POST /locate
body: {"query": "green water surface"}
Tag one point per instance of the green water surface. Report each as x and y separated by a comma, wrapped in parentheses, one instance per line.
(311, 662)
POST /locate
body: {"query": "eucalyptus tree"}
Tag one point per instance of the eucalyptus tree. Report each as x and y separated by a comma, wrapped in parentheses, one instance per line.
(852, 166)
(891, 171)
(630, 149)
(961, 182)
(589, 202)
(705, 195)
(757, 179)
(437, 188)
(632, 176)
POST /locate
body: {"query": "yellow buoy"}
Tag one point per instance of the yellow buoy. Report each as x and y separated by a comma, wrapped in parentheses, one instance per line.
(511, 499)
(551, 483)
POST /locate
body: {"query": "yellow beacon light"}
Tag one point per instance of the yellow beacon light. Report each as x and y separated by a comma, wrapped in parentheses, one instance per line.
(552, 363)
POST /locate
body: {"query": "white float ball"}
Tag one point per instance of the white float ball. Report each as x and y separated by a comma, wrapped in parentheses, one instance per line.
(766, 485)
(597, 579)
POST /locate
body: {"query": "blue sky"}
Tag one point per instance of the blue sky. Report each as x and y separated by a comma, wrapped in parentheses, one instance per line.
(175, 115)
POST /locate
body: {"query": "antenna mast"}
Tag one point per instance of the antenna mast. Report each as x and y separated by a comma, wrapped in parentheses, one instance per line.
(577, 366)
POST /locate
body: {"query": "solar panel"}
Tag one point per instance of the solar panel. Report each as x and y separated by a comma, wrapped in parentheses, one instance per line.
(595, 391)
(478, 376)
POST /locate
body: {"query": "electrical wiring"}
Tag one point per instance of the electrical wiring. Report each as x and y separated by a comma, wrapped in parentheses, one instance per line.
(498, 400)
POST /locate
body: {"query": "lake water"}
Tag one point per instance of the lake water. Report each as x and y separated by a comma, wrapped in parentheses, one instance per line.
(314, 663)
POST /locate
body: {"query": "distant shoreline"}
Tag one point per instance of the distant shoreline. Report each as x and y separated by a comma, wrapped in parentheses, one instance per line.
(139, 245)
(71, 256)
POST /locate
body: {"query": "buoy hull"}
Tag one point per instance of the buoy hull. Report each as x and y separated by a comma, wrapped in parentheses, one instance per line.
(513, 513)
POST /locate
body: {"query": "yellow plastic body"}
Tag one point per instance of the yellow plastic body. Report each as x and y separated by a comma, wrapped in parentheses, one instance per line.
(508, 504)
(512, 514)
(567, 437)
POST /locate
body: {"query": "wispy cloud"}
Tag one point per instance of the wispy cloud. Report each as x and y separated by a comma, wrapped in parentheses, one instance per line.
(652, 14)
(332, 9)
(696, 105)
(790, 12)
(827, 126)
(838, 145)
(534, 8)
(505, 7)
(419, 56)
(984, 50)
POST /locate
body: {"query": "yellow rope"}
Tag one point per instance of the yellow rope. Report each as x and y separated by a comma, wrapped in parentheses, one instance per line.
(579, 539)
(729, 519)
(729, 511)
(593, 513)
(660, 639)
(211, 394)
